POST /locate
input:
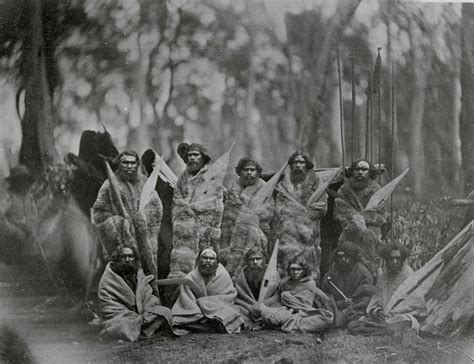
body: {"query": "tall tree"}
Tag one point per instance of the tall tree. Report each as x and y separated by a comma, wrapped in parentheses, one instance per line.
(466, 124)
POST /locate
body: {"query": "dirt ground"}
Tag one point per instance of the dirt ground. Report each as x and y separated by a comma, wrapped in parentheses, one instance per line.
(56, 333)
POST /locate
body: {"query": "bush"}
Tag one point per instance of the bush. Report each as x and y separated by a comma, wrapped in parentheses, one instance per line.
(425, 228)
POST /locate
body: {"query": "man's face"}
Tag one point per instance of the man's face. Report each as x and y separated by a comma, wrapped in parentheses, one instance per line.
(394, 262)
(207, 263)
(256, 262)
(361, 173)
(298, 169)
(128, 167)
(343, 261)
(249, 175)
(195, 161)
(127, 262)
(296, 272)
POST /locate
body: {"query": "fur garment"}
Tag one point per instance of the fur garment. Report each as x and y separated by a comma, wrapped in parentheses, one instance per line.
(139, 228)
(359, 226)
(297, 224)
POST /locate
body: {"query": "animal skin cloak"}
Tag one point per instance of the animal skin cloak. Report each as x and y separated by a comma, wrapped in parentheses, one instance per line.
(291, 308)
(140, 231)
(243, 227)
(362, 227)
(213, 301)
(246, 300)
(196, 221)
(386, 287)
(126, 314)
(298, 225)
(356, 284)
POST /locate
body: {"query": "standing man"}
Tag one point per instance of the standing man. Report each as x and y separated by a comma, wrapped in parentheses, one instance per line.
(244, 226)
(207, 303)
(297, 223)
(131, 227)
(353, 281)
(128, 308)
(359, 225)
(197, 211)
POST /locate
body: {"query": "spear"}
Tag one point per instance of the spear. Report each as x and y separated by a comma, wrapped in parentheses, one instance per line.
(341, 110)
(114, 185)
(377, 72)
(353, 121)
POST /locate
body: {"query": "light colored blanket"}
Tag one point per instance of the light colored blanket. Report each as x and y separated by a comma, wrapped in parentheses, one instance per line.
(214, 300)
(127, 314)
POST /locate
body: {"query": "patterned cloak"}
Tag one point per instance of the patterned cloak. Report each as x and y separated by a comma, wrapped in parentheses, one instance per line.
(243, 227)
(141, 229)
(362, 227)
(197, 215)
(297, 224)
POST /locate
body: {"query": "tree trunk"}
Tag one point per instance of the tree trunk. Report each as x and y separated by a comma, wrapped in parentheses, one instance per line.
(466, 121)
(321, 72)
(421, 63)
(37, 149)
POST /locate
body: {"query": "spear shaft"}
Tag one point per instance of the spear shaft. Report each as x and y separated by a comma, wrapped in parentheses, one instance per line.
(341, 109)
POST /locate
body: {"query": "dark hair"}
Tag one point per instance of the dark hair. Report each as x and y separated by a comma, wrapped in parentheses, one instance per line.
(350, 249)
(184, 148)
(131, 153)
(115, 256)
(386, 250)
(302, 262)
(148, 158)
(208, 247)
(306, 157)
(253, 251)
(372, 170)
(243, 162)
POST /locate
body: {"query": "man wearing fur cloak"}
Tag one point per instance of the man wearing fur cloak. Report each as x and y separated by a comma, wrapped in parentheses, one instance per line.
(134, 228)
(359, 225)
(243, 226)
(297, 223)
(197, 210)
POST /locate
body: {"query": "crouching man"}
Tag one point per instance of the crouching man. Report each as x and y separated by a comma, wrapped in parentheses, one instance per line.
(298, 305)
(206, 302)
(249, 283)
(350, 284)
(128, 308)
(378, 320)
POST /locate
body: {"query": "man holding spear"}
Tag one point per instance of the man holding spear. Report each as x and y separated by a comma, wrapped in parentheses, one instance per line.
(122, 217)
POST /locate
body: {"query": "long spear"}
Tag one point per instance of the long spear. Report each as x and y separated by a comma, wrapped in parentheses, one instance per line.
(393, 135)
(341, 109)
(377, 71)
(353, 121)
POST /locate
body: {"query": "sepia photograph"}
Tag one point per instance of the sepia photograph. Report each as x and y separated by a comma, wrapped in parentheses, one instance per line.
(236, 181)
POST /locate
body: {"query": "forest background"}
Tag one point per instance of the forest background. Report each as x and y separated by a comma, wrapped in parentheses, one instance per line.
(260, 72)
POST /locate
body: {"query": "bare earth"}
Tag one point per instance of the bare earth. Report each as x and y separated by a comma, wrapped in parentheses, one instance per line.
(56, 333)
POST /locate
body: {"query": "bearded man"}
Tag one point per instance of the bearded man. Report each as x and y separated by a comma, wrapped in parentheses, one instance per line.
(244, 226)
(207, 303)
(349, 283)
(134, 228)
(297, 305)
(297, 223)
(128, 308)
(360, 225)
(248, 284)
(378, 320)
(197, 212)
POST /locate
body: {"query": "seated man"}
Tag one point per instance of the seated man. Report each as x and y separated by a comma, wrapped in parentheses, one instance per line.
(248, 284)
(378, 321)
(206, 300)
(128, 307)
(291, 308)
(350, 283)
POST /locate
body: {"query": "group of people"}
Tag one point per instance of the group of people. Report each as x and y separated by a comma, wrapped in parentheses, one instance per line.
(222, 238)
